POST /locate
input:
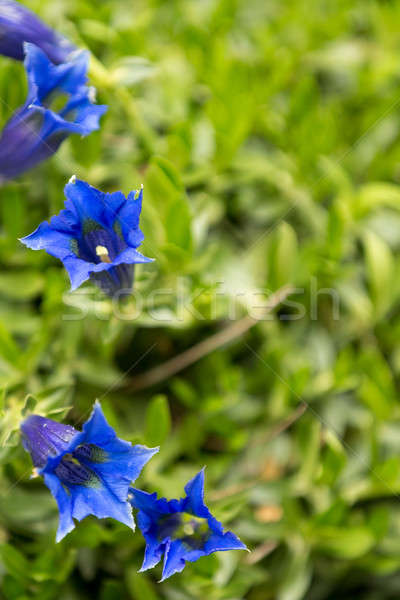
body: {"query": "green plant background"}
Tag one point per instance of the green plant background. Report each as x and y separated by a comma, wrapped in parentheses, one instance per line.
(266, 134)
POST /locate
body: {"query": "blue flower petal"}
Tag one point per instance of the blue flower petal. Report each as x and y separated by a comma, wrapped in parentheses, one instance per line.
(131, 256)
(66, 523)
(122, 457)
(65, 222)
(176, 555)
(100, 502)
(35, 131)
(128, 217)
(87, 117)
(88, 203)
(150, 509)
(96, 430)
(44, 76)
(195, 492)
(149, 503)
(78, 270)
(225, 541)
(18, 25)
(25, 141)
(45, 237)
(154, 550)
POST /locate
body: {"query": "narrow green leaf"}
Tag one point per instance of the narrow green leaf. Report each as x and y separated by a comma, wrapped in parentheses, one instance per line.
(158, 421)
(380, 270)
(14, 562)
(139, 586)
(9, 350)
(282, 257)
(345, 542)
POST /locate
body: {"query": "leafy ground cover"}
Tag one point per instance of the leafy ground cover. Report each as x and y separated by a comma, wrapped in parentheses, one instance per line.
(266, 136)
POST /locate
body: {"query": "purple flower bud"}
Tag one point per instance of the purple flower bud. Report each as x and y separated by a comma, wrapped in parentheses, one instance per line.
(88, 472)
(19, 25)
(44, 438)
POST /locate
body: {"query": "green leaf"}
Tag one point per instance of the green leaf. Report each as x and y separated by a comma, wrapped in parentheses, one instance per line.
(14, 562)
(139, 586)
(158, 421)
(21, 285)
(165, 191)
(344, 542)
(380, 271)
(111, 589)
(55, 563)
(283, 256)
(376, 194)
(29, 405)
(378, 400)
(178, 223)
(131, 70)
(309, 448)
(297, 574)
(13, 213)
(9, 350)
(206, 566)
(334, 458)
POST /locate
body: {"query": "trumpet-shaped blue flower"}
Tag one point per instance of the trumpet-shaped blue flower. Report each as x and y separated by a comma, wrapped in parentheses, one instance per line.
(19, 25)
(95, 237)
(59, 103)
(181, 530)
(88, 472)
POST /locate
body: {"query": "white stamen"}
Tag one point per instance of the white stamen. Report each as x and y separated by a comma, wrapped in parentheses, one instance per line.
(137, 192)
(72, 179)
(92, 94)
(102, 252)
(188, 529)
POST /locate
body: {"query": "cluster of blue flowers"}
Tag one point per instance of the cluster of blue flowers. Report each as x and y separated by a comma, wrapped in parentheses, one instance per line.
(96, 236)
(90, 472)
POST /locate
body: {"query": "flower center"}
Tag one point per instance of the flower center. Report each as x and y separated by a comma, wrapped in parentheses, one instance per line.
(74, 468)
(98, 244)
(71, 472)
(102, 253)
(91, 452)
(188, 528)
(56, 100)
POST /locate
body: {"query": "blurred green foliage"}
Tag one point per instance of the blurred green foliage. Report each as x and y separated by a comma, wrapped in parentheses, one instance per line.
(266, 134)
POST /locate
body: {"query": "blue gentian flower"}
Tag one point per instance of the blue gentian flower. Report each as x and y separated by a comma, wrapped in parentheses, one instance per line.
(95, 237)
(19, 25)
(181, 530)
(88, 472)
(59, 103)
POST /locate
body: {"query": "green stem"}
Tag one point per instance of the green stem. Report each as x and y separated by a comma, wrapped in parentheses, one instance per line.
(205, 347)
(103, 80)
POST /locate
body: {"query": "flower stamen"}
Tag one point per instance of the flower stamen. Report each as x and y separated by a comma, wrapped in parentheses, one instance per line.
(102, 253)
